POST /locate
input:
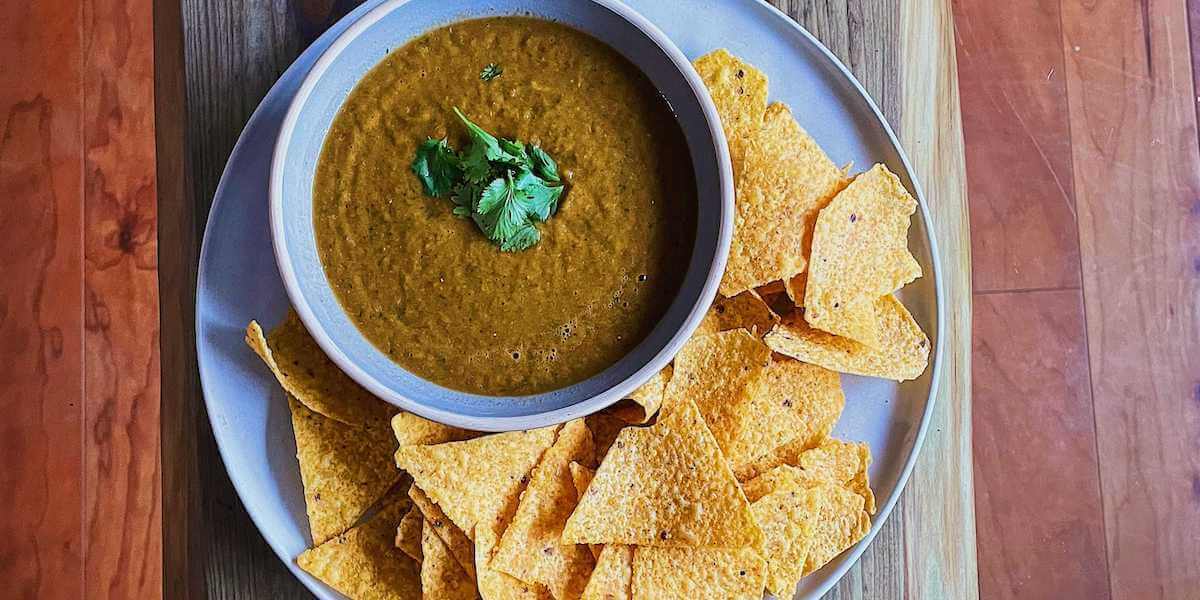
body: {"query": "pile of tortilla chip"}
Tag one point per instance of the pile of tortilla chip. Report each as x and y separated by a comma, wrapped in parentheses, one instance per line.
(717, 478)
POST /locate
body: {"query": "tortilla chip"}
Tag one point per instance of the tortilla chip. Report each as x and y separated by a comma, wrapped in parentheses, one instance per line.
(785, 181)
(860, 253)
(785, 520)
(613, 575)
(746, 310)
(497, 585)
(666, 485)
(861, 482)
(789, 400)
(414, 430)
(903, 355)
(795, 289)
(362, 563)
(582, 476)
(344, 469)
(531, 549)
(834, 461)
(605, 429)
(304, 371)
(643, 403)
(697, 573)
(441, 575)
(408, 534)
(459, 544)
(839, 522)
(739, 91)
(474, 481)
(719, 373)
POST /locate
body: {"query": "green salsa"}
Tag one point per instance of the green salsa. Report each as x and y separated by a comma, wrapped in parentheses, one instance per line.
(433, 293)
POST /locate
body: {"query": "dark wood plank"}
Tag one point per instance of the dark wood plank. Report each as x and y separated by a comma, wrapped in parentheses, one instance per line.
(122, 501)
(1037, 489)
(1137, 184)
(1018, 145)
(41, 314)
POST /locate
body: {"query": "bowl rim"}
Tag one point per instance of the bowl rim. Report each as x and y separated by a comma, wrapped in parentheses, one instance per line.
(585, 406)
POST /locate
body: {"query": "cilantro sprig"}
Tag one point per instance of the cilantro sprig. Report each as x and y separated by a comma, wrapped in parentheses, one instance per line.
(505, 186)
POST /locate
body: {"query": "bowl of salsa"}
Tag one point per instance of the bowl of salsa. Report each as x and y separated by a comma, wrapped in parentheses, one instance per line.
(501, 215)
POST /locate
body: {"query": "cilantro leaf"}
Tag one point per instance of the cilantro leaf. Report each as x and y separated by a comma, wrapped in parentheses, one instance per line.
(490, 72)
(543, 165)
(485, 148)
(542, 198)
(437, 166)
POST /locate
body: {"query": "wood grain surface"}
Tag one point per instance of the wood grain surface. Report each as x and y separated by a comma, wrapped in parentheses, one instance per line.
(79, 302)
(233, 52)
(1082, 134)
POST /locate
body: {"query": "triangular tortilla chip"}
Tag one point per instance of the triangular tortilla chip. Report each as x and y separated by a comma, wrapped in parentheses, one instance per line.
(903, 354)
(859, 253)
(414, 430)
(785, 181)
(531, 549)
(408, 534)
(441, 575)
(784, 518)
(344, 469)
(739, 91)
(456, 541)
(834, 461)
(643, 403)
(474, 481)
(746, 310)
(719, 373)
(497, 585)
(582, 476)
(304, 371)
(839, 522)
(789, 400)
(363, 564)
(698, 573)
(613, 575)
(666, 485)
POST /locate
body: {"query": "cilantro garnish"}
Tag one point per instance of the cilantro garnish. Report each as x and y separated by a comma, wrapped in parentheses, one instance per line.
(505, 186)
(490, 72)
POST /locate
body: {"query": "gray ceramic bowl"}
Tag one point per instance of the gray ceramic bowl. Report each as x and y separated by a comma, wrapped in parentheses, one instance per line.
(298, 149)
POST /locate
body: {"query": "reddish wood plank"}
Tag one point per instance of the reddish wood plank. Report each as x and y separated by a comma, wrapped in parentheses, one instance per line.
(1137, 183)
(1037, 494)
(1018, 145)
(122, 500)
(41, 384)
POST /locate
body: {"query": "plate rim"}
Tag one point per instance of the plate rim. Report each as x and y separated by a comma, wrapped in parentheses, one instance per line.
(320, 590)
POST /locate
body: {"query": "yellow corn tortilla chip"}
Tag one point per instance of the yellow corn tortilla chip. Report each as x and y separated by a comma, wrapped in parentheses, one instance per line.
(784, 518)
(362, 563)
(795, 289)
(581, 476)
(719, 373)
(531, 549)
(697, 573)
(475, 481)
(643, 403)
(834, 461)
(839, 522)
(605, 429)
(459, 544)
(739, 91)
(666, 485)
(746, 310)
(304, 371)
(613, 575)
(786, 179)
(408, 534)
(903, 354)
(497, 585)
(414, 430)
(341, 469)
(860, 253)
(789, 400)
(441, 575)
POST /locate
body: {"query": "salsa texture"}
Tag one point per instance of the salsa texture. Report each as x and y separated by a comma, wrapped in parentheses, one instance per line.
(439, 298)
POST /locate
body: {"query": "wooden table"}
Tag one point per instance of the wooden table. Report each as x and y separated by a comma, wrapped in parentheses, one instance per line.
(97, 129)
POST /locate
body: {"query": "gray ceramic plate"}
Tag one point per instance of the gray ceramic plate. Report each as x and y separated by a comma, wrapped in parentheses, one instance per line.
(238, 279)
